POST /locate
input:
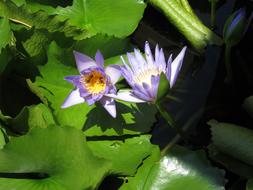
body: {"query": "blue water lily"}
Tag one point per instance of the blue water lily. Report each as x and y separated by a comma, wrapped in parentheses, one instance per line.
(143, 74)
(93, 83)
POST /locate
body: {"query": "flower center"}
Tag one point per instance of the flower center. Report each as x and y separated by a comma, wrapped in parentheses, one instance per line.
(145, 75)
(94, 82)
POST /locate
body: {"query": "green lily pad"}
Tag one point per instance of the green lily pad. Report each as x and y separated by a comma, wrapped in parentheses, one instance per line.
(104, 16)
(233, 140)
(5, 33)
(249, 184)
(125, 155)
(131, 119)
(179, 169)
(30, 117)
(59, 156)
(2, 138)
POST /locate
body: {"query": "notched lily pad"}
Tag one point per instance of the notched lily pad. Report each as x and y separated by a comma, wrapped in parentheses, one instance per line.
(61, 154)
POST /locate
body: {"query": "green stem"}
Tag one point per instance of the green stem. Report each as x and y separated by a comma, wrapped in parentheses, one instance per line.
(188, 24)
(170, 120)
(229, 76)
(213, 14)
(188, 8)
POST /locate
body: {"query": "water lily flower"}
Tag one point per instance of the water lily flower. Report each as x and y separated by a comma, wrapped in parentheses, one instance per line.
(93, 83)
(143, 74)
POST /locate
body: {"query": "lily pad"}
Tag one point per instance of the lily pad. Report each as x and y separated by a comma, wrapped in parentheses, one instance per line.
(233, 140)
(179, 169)
(104, 16)
(30, 117)
(249, 184)
(131, 119)
(59, 156)
(125, 155)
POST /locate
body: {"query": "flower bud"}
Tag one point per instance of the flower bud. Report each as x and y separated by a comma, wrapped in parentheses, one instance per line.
(235, 27)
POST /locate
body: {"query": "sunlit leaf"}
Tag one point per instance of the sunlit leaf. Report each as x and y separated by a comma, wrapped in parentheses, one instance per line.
(125, 155)
(104, 16)
(59, 154)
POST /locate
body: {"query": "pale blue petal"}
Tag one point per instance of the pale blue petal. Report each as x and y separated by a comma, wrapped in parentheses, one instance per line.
(109, 104)
(114, 72)
(72, 99)
(99, 59)
(148, 53)
(125, 95)
(176, 66)
(83, 61)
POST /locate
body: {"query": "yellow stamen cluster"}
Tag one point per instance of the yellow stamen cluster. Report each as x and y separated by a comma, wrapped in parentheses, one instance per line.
(94, 82)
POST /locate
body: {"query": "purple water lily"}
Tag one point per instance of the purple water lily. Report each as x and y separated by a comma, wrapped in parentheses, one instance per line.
(93, 83)
(143, 75)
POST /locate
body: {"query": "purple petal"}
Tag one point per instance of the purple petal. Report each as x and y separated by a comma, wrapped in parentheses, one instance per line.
(99, 59)
(155, 84)
(114, 72)
(133, 63)
(148, 90)
(73, 79)
(83, 61)
(161, 61)
(109, 105)
(90, 100)
(168, 69)
(72, 99)
(157, 52)
(141, 61)
(149, 56)
(141, 95)
(176, 66)
(125, 95)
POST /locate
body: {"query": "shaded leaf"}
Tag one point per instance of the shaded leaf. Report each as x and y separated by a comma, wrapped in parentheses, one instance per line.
(233, 140)
(5, 33)
(234, 165)
(59, 152)
(125, 155)
(249, 185)
(30, 117)
(36, 44)
(131, 119)
(2, 138)
(248, 105)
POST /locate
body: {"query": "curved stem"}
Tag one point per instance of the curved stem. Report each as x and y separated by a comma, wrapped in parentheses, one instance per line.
(229, 76)
(169, 119)
(191, 27)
